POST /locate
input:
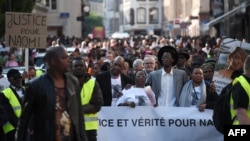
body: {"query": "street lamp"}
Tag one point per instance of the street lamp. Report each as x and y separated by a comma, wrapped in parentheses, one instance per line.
(86, 10)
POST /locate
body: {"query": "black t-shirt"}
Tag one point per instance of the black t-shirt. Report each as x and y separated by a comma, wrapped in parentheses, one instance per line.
(240, 97)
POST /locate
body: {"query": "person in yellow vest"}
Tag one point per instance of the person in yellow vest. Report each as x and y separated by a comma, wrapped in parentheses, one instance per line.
(39, 72)
(240, 99)
(91, 97)
(32, 73)
(11, 102)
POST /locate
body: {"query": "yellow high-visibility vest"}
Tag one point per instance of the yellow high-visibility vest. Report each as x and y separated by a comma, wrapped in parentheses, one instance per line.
(91, 120)
(16, 106)
(39, 72)
(243, 82)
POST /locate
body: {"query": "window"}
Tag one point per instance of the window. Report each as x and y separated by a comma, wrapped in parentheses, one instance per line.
(126, 17)
(153, 15)
(141, 15)
(47, 3)
(116, 5)
(111, 5)
(121, 22)
(52, 4)
(132, 16)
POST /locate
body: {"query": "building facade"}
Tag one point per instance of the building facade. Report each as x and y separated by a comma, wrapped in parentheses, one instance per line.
(184, 17)
(111, 17)
(232, 22)
(96, 6)
(61, 16)
(162, 17)
(141, 16)
(236, 25)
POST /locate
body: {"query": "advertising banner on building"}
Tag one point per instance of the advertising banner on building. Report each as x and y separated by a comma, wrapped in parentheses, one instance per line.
(98, 32)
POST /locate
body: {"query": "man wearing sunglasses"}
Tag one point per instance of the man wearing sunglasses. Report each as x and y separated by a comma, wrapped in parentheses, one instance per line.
(10, 102)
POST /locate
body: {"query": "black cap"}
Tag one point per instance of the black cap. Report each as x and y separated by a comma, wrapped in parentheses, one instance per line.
(13, 73)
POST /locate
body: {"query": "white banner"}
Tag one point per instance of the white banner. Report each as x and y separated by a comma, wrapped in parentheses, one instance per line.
(156, 124)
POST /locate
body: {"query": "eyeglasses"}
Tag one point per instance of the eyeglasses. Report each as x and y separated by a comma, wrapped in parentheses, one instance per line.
(149, 63)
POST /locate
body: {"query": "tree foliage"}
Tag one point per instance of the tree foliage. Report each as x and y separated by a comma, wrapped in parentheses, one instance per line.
(91, 21)
(13, 6)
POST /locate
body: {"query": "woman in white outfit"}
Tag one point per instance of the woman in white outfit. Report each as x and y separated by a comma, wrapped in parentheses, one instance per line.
(137, 95)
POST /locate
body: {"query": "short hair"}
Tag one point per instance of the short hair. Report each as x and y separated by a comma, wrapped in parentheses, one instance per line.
(105, 66)
(32, 68)
(77, 58)
(207, 65)
(247, 65)
(119, 57)
(137, 62)
(150, 56)
(53, 52)
(195, 67)
(110, 52)
(140, 71)
(197, 60)
(239, 50)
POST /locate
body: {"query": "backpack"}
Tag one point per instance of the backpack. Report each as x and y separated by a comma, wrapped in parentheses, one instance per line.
(221, 113)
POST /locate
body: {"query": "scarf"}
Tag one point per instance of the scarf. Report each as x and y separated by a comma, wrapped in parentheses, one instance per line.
(186, 94)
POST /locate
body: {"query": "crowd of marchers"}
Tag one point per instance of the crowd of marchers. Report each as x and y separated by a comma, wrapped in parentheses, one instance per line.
(62, 101)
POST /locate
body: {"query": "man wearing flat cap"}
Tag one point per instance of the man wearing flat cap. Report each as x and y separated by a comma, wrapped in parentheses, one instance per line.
(167, 82)
(10, 102)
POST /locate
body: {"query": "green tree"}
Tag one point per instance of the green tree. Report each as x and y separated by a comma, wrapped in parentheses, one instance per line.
(13, 6)
(91, 21)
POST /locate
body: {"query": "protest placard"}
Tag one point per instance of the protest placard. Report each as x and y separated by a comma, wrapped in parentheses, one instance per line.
(26, 30)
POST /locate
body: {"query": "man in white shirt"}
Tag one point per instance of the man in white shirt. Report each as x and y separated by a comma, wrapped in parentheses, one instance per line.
(167, 82)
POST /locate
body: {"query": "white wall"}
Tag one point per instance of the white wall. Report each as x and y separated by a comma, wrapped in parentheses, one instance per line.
(71, 27)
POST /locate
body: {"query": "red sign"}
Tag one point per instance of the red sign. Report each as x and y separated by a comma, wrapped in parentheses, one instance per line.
(177, 21)
(98, 32)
